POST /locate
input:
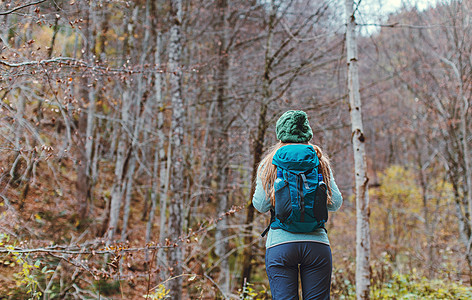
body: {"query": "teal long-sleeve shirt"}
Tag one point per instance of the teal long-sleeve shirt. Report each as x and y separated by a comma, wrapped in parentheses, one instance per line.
(280, 236)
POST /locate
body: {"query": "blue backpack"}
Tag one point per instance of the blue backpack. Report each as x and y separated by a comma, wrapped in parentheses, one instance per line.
(300, 193)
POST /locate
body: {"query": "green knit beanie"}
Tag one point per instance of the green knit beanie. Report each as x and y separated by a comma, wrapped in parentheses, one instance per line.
(293, 127)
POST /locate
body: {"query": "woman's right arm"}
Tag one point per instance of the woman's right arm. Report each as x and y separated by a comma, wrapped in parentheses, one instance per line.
(259, 199)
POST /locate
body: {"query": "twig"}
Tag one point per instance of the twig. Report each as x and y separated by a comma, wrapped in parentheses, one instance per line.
(395, 25)
(79, 290)
(49, 283)
(75, 252)
(172, 278)
(5, 200)
(75, 263)
(149, 274)
(215, 284)
(20, 7)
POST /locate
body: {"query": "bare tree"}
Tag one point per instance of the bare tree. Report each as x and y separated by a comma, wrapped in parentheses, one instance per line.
(360, 168)
(288, 28)
(442, 59)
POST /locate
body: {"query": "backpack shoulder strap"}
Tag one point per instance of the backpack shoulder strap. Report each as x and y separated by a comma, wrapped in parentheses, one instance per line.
(272, 219)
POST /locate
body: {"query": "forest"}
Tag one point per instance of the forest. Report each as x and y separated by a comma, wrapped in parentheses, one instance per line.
(131, 133)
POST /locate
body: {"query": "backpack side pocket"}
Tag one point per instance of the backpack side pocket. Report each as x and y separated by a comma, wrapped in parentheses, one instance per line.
(283, 202)
(320, 207)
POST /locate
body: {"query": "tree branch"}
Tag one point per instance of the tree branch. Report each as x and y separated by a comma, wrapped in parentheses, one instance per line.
(20, 7)
(398, 25)
(74, 62)
(40, 62)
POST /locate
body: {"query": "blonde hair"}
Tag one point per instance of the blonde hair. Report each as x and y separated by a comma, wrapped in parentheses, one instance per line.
(268, 172)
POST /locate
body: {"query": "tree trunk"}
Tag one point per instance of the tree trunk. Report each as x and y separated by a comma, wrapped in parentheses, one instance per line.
(4, 32)
(467, 166)
(19, 127)
(164, 159)
(222, 153)
(138, 116)
(362, 194)
(424, 183)
(117, 189)
(154, 193)
(258, 148)
(177, 178)
(125, 148)
(159, 153)
(164, 178)
(86, 121)
(128, 194)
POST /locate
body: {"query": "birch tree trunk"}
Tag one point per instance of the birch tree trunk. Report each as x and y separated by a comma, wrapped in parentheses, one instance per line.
(159, 153)
(177, 178)
(360, 165)
(164, 159)
(164, 178)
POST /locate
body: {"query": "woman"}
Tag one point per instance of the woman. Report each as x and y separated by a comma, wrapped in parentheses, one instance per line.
(288, 254)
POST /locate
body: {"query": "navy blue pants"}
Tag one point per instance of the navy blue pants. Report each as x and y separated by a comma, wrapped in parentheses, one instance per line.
(312, 260)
